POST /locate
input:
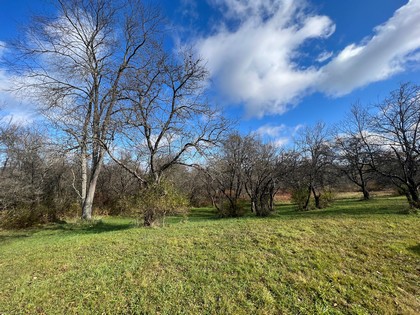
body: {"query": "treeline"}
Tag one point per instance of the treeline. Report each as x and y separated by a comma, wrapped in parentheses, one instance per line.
(127, 127)
(41, 178)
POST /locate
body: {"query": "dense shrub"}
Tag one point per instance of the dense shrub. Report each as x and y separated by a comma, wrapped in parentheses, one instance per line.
(299, 197)
(25, 217)
(326, 199)
(227, 209)
(159, 200)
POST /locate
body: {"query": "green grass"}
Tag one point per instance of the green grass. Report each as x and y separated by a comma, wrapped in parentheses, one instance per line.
(353, 258)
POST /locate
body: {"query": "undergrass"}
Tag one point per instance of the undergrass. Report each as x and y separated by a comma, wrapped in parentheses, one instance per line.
(355, 257)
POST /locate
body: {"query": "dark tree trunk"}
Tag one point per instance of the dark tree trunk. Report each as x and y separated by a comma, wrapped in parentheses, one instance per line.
(306, 206)
(149, 218)
(317, 198)
(413, 197)
(366, 194)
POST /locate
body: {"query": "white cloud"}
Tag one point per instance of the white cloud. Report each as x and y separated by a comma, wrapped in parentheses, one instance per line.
(253, 56)
(12, 105)
(4, 82)
(278, 135)
(270, 130)
(324, 56)
(255, 63)
(386, 53)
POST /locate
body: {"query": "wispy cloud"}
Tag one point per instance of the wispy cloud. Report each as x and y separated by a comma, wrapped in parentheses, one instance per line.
(253, 55)
(279, 135)
(188, 9)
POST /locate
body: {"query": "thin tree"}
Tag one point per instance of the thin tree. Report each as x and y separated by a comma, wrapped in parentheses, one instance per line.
(226, 177)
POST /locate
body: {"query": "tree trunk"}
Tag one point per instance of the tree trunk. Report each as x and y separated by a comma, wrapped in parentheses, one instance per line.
(253, 206)
(149, 218)
(90, 194)
(84, 170)
(317, 199)
(305, 207)
(366, 194)
(413, 197)
(271, 202)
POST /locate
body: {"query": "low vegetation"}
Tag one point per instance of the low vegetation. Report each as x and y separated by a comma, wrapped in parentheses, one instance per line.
(355, 257)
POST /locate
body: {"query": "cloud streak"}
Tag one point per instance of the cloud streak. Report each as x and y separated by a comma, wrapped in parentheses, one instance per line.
(279, 135)
(254, 54)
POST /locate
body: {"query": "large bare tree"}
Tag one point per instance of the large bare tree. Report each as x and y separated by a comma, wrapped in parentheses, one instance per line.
(166, 120)
(397, 138)
(74, 65)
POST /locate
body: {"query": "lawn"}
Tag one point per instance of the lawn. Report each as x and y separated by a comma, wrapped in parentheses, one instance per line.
(356, 257)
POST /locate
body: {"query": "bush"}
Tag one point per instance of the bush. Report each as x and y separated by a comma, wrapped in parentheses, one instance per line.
(159, 200)
(299, 197)
(25, 217)
(326, 199)
(123, 206)
(227, 210)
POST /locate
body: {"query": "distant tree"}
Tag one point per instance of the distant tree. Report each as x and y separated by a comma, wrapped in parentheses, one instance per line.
(226, 177)
(34, 184)
(261, 172)
(315, 159)
(353, 152)
(397, 140)
(23, 166)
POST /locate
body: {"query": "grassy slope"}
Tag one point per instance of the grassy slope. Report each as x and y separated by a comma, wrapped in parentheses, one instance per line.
(356, 257)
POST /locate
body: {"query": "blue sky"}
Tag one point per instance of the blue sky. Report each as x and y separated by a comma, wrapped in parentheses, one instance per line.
(280, 64)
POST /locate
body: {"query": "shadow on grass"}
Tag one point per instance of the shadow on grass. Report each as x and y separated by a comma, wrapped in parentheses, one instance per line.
(94, 227)
(343, 207)
(6, 238)
(66, 229)
(347, 207)
(200, 214)
(415, 249)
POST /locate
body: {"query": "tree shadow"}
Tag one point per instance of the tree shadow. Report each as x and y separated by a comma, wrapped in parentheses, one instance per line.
(346, 207)
(342, 207)
(415, 249)
(93, 227)
(7, 238)
(62, 228)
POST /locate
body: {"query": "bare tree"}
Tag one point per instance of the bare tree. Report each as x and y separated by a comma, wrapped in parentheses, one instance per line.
(316, 156)
(397, 140)
(75, 64)
(261, 172)
(168, 120)
(353, 152)
(225, 175)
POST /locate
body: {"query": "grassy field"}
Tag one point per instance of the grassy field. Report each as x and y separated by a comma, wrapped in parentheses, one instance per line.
(353, 258)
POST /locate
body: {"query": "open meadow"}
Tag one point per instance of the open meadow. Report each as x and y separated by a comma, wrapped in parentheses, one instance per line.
(355, 257)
